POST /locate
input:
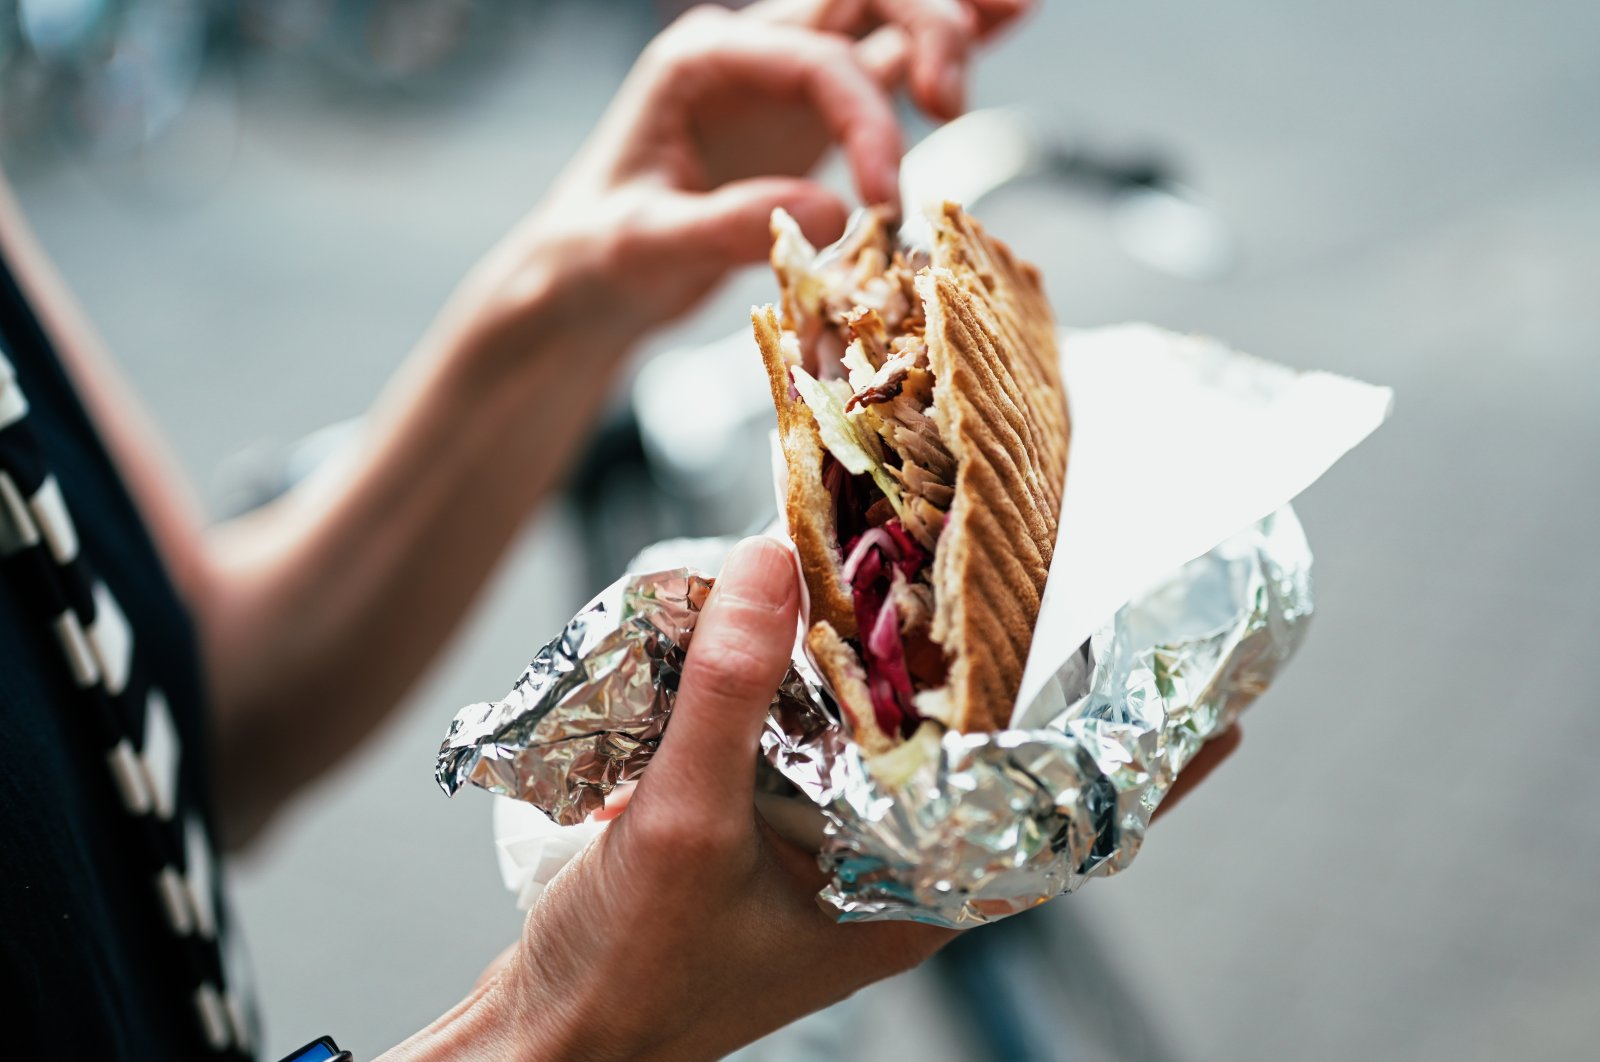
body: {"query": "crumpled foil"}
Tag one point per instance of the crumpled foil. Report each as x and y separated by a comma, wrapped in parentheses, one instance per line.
(589, 711)
(953, 830)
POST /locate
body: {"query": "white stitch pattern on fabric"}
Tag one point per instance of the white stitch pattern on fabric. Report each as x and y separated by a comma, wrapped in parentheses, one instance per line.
(13, 405)
(75, 646)
(175, 898)
(55, 523)
(197, 876)
(130, 778)
(208, 1001)
(161, 753)
(111, 639)
(101, 662)
(17, 529)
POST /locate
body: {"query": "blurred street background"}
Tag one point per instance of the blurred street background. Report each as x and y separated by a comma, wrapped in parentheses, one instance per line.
(261, 206)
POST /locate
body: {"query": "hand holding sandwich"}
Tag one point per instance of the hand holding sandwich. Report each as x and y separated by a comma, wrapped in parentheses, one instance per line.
(688, 928)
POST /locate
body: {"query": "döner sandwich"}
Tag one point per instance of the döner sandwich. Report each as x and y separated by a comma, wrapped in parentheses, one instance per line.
(924, 426)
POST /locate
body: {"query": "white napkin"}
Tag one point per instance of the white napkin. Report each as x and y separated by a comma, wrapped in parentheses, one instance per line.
(531, 848)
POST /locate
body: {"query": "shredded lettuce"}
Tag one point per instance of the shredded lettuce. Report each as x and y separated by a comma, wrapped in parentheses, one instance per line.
(855, 360)
(858, 451)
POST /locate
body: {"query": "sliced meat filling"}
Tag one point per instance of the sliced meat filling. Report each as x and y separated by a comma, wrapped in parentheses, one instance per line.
(860, 325)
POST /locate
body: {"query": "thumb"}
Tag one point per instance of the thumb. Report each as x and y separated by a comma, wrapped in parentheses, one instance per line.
(739, 652)
(736, 218)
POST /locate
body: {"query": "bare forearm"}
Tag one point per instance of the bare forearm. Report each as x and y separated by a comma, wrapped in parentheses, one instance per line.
(325, 607)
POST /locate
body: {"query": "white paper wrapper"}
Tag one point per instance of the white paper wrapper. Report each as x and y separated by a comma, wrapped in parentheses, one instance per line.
(531, 849)
(1177, 442)
(1179, 447)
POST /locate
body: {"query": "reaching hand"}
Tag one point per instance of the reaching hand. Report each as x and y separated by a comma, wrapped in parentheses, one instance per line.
(718, 123)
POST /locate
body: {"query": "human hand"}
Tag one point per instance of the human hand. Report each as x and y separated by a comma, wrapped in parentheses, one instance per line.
(717, 124)
(689, 928)
(941, 32)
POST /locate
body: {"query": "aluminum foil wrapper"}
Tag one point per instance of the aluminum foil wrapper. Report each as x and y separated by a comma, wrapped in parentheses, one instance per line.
(589, 711)
(952, 829)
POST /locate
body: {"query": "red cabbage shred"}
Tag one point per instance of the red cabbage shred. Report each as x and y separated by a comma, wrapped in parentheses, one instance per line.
(884, 550)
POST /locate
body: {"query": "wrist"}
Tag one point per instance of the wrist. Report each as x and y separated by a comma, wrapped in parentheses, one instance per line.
(490, 1023)
(539, 297)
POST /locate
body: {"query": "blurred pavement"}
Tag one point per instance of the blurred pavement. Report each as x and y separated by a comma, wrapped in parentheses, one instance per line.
(1401, 860)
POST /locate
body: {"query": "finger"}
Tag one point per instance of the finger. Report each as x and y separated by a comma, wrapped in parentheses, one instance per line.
(995, 15)
(941, 32)
(705, 767)
(736, 218)
(818, 67)
(832, 16)
(1208, 759)
(885, 54)
(616, 803)
(857, 17)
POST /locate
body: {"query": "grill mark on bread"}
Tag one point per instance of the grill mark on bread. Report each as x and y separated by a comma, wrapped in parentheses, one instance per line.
(980, 366)
(1036, 450)
(998, 600)
(1002, 470)
(990, 533)
(1020, 450)
(1020, 580)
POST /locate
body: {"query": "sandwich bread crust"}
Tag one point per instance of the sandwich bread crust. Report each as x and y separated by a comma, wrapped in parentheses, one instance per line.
(991, 341)
(809, 506)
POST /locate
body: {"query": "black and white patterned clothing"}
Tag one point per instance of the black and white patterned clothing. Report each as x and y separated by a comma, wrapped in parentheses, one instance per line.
(113, 933)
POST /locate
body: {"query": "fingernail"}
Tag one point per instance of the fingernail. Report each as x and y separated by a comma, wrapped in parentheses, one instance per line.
(758, 573)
